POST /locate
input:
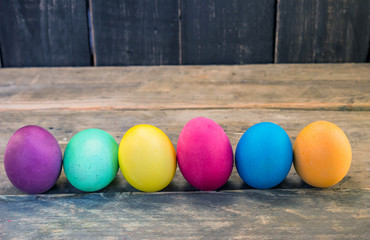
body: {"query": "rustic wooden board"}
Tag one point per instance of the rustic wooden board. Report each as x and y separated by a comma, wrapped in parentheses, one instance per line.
(329, 87)
(64, 124)
(44, 33)
(1, 62)
(135, 32)
(227, 32)
(319, 31)
(68, 100)
(246, 214)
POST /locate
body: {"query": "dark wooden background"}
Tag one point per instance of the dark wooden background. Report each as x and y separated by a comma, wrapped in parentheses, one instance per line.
(173, 32)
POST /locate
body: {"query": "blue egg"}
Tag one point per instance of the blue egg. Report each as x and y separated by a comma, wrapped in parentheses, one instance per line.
(264, 155)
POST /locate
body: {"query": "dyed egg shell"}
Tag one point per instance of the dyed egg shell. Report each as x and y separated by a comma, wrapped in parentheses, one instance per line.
(33, 159)
(264, 155)
(204, 154)
(147, 158)
(322, 154)
(91, 160)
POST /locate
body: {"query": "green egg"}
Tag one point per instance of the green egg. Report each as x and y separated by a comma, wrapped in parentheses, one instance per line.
(91, 160)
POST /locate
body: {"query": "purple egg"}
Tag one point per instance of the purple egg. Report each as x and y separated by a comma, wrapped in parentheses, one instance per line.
(33, 159)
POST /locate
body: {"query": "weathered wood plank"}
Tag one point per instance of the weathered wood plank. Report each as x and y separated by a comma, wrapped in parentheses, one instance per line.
(311, 87)
(71, 99)
(1, 61)
(319, 31)
(247, 214)
(68, 100)
(64, 124)
(135, 32)
(44, 33)
(227, 32)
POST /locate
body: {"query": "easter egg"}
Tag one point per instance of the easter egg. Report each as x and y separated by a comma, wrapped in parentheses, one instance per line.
(91, 160)
(147, 158)
(33, 159)
(204, 154)
(264, 155)
(322, 154)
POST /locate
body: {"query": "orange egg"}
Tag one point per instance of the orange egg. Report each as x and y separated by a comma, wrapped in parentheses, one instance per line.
(322, 154)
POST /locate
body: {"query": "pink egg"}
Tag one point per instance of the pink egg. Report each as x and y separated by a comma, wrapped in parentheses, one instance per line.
(204, 153)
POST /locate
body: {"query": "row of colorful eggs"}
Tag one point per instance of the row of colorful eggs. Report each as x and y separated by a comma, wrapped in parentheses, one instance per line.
(264, 155)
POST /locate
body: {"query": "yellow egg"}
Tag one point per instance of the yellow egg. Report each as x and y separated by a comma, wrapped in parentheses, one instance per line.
(147, 158)
(322, 154)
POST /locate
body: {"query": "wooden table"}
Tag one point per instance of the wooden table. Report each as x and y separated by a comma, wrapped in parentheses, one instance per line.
(68, 100)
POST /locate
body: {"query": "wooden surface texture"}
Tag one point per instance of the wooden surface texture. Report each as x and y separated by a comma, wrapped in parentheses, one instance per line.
(135, 32)
(68, 100)
(322, 31)
(227, 32)
(182, 32)
(44, 33)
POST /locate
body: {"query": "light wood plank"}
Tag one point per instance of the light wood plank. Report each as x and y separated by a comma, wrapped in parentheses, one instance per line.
(68, 100)
(310, 87)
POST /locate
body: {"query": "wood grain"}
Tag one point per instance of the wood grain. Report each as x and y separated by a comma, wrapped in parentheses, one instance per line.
(320, 31)
(44, 33)
(311, 87)
(68, 100)
(1, 61)
(135, 32)
(246, 214)
(227, 32)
